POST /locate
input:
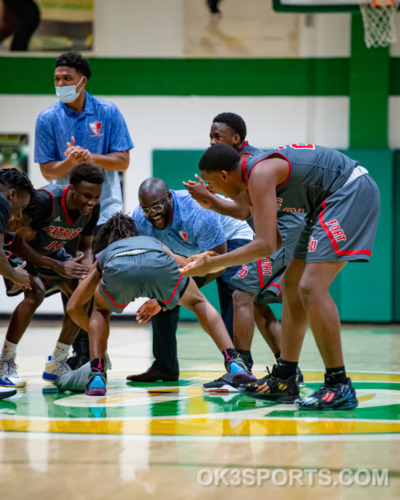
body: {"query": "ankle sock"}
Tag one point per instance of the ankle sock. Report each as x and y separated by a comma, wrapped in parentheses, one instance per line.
(61, 351)
(97, 365)
(277, 355)
(229, 354)
(286, 368)
(339, 373)
(246, 356)
(9, 350)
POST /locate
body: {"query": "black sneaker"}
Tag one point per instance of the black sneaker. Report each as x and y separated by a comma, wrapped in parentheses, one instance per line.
(300, 378)
(272, 388)
(223, 384)
(333, 395)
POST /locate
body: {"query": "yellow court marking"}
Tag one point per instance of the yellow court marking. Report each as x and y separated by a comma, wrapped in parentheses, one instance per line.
(203, 427)
(367, 397)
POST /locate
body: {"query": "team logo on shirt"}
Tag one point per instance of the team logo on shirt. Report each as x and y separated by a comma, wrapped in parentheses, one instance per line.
(95, 127)
(183, 235)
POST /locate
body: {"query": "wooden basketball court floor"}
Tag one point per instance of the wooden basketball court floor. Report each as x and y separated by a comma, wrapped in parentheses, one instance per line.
(172, 441)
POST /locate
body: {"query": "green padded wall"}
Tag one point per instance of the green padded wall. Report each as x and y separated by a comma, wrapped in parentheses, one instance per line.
(396, 236)
(355, 291)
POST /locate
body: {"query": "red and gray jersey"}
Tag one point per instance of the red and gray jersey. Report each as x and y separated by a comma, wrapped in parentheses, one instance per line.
(246, 149)
(59, 230)
(315, 172)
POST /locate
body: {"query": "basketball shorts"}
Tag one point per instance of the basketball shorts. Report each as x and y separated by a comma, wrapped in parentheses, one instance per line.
(150, 274)
(344, 227)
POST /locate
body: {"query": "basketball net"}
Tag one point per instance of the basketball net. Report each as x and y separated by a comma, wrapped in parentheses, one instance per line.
(379, 22)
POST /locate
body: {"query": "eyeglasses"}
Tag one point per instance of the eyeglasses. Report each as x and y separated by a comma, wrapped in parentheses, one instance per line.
(157, 209)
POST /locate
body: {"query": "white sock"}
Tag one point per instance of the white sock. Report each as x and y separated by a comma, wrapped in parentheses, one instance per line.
(9, 350)
(61, 351)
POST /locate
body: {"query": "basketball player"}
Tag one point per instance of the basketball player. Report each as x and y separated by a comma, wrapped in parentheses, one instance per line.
(63, 223)
(258, 283)
(331, 189)
(129, 266)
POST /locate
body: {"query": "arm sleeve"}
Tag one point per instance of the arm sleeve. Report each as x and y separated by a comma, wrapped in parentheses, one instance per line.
(45, 143)
(120, 138)
(88, 230)
(4, 213)
(207, 229)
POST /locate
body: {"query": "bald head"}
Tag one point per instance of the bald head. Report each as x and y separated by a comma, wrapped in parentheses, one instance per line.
(156, 202)
(153, 186)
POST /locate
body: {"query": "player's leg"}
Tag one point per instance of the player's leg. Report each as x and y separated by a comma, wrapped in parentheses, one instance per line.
(57, 362)
(271, 330)
(337, 392)
(243, 327)
(19, 322)
(243, 324)
(281, 384)
(269, 326)
(212, 323)
(99, 331)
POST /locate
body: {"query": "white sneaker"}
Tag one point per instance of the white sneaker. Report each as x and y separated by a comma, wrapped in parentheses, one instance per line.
(8, 374)
(7, 393)
(54, 369)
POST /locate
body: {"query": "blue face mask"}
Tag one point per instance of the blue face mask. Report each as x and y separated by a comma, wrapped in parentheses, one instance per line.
(68, 93)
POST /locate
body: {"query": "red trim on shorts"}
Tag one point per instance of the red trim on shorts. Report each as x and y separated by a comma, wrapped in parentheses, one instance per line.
(111, 299)
(174, 292)
(332, 239)
(260, 274)
(276, 285)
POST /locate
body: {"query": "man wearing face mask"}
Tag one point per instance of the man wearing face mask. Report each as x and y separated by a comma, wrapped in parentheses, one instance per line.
(81, 128)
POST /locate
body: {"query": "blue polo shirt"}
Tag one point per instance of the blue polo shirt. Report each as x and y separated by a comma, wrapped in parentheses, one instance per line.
(100, 128)
(192, 228)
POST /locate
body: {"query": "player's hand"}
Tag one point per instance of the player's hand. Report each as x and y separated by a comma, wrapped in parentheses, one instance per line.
(200, 265)
(150, 308)
(210, 253)
(72, 269)
(200, 192)
(21, 277)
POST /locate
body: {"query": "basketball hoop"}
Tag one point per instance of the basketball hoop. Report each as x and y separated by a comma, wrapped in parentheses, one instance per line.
(379, 22)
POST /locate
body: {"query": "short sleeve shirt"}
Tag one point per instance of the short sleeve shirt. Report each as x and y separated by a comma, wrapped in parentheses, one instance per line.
(192, 228)
(100, 128)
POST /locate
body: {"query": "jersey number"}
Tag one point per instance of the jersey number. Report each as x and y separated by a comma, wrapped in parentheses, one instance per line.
(56, 247)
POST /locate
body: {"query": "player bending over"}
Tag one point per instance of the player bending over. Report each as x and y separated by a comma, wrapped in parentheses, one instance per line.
(127, 267)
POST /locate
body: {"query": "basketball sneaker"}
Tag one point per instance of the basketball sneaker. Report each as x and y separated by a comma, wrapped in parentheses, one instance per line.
(300, 378)
(7, 392)
(223, 384)
(333, 395)
(272, 388)
(96, 385)
(8, 374)
(55, 369)
(239, 372)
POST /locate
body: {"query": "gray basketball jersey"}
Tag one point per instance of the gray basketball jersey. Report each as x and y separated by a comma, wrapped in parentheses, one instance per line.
(315, 173)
